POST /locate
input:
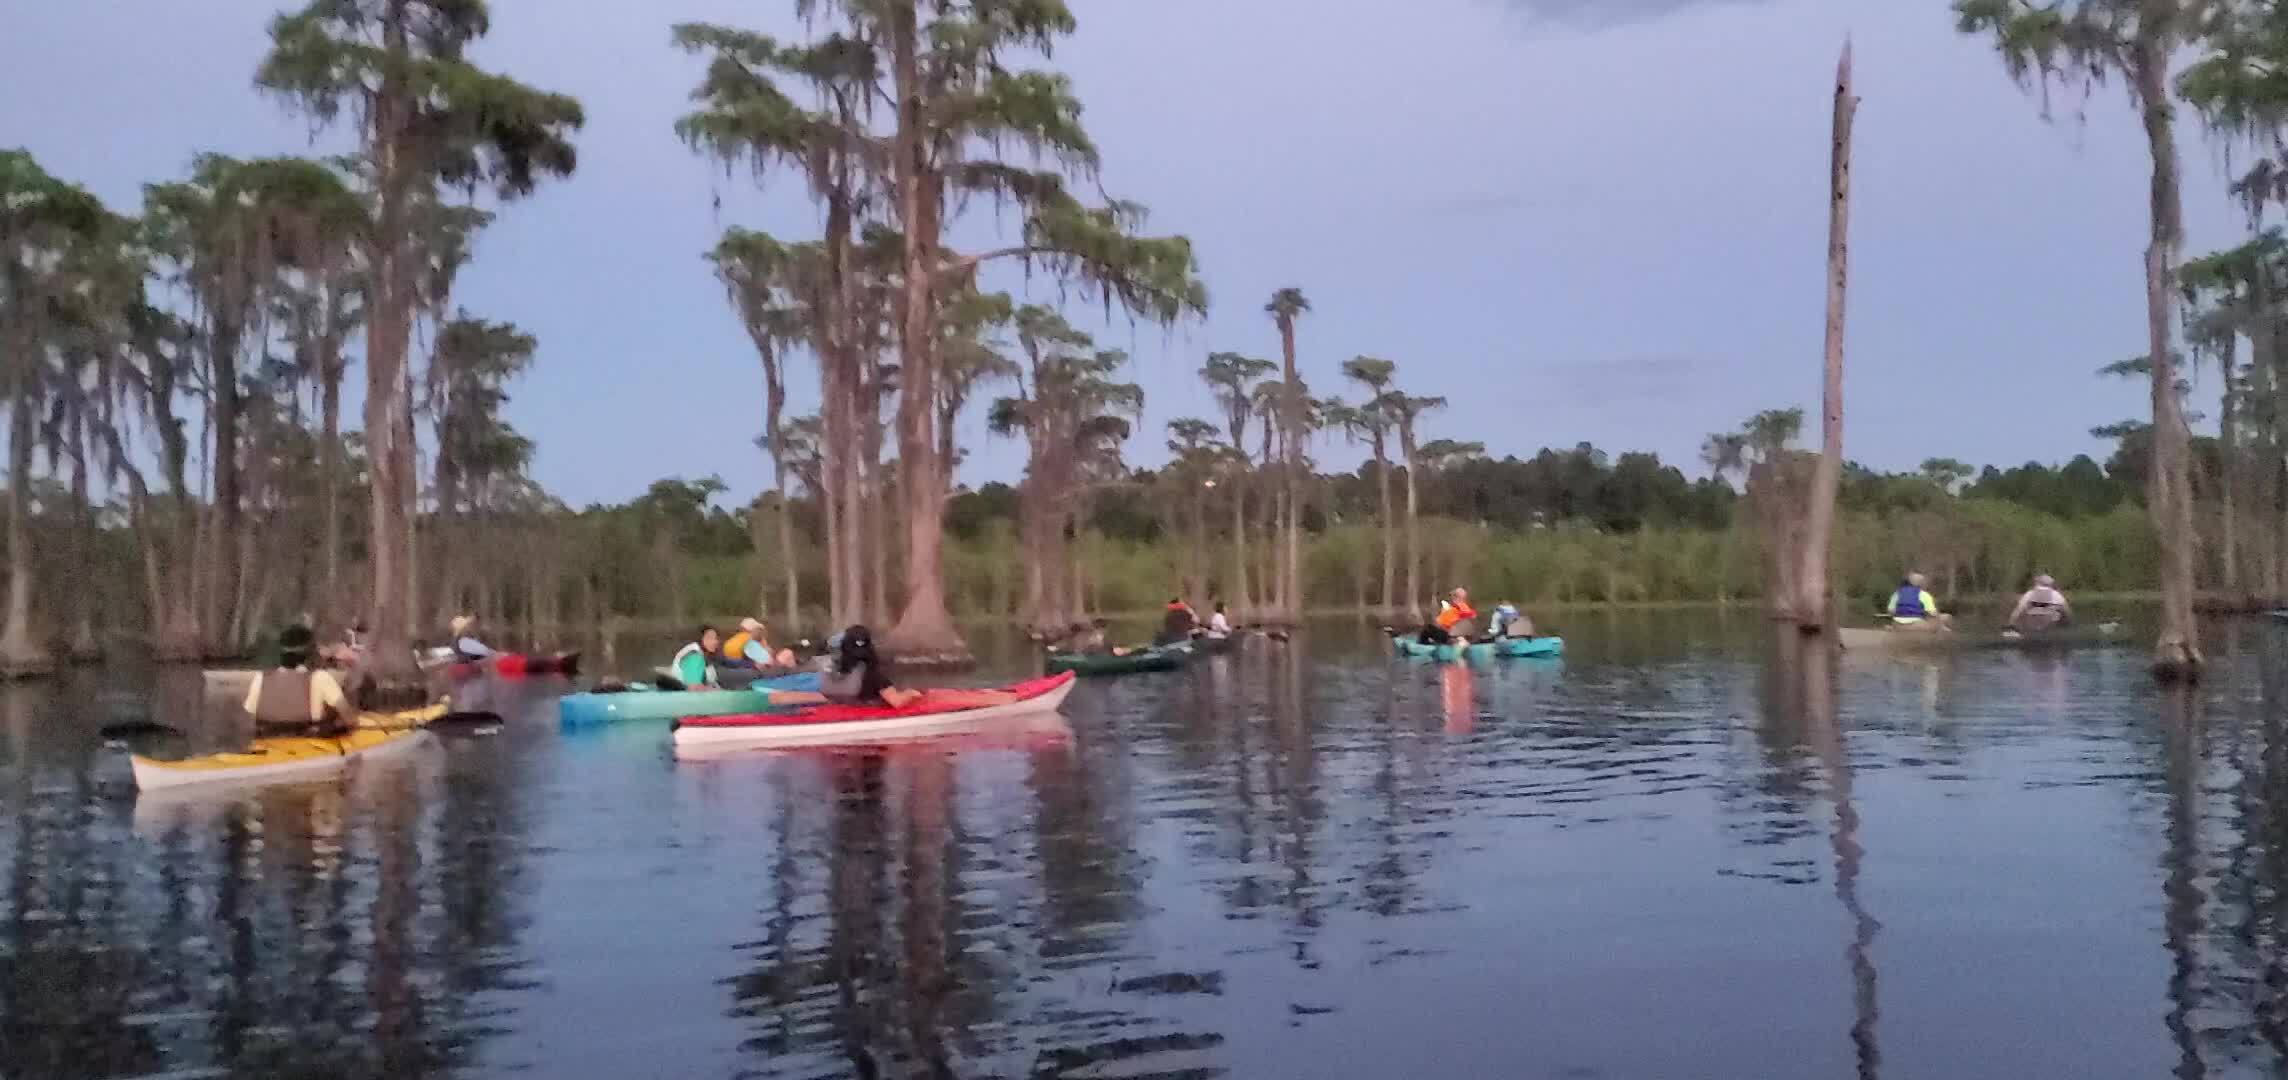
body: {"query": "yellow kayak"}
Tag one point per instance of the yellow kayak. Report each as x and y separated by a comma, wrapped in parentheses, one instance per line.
(376, 735)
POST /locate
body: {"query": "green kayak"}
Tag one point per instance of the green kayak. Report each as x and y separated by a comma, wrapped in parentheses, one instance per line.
(1163, 658)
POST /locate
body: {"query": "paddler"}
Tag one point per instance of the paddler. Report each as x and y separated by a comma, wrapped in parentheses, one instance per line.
(466, 647)
(1178, 624)
(1912, 607)
(1509, 623)
(694, 665)
(859, 676)
(749, 649)
(1219, 625)
(1456, 620)
(293, 698)
(2041, 608)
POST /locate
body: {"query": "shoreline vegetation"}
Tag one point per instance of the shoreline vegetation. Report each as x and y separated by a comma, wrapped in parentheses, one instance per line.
(180, 471)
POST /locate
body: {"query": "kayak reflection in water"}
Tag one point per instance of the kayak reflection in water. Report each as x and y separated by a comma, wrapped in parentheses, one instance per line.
(294, 698)
(2041, 608)
(1456, 621)
(859, 676)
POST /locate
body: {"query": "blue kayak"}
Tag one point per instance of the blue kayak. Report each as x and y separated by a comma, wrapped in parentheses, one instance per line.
(642, 702)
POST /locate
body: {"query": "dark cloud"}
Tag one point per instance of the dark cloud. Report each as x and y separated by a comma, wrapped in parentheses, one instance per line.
(1589, 14)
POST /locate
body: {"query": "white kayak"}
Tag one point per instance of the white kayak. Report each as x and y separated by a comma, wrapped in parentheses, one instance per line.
(702, 737)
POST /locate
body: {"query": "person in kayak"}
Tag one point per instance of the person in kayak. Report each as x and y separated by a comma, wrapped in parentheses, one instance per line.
(1912, 607)
(694, 663)
(1219, 625)
(859, 676)
(1507, 623)
(749, 649)
(466, 647)
(1178, 624)
(294, 698)
(2042, 607)
(1456, 620)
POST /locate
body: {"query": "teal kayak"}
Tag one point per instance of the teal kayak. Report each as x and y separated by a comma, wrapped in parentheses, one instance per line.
(1530, 647)
(1411, 645)
(1161, 658)
(643, 702)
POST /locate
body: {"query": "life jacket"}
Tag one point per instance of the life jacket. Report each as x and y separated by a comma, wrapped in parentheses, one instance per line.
(285, 699)
(735, 646)
(706, 667)
(1452, 614)
(1908, 604)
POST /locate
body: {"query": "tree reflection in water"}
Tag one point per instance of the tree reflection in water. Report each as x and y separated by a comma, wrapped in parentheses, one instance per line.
(344, 929)
(1801, 705)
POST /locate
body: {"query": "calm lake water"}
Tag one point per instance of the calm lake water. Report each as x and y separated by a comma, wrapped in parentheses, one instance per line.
(1678, 853)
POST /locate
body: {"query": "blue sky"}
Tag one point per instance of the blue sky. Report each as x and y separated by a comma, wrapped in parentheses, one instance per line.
(1594, 220)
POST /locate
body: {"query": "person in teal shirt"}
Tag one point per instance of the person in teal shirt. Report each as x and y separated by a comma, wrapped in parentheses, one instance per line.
(694, 664)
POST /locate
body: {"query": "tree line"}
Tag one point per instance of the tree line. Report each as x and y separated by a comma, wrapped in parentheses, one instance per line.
(186, 360)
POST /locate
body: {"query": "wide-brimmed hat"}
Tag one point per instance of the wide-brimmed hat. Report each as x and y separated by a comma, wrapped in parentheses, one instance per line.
(751, 625)
(461, 624)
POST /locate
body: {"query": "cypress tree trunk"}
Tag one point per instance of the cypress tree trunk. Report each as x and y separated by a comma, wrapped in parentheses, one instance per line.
(2176, 654)
(1813, 600)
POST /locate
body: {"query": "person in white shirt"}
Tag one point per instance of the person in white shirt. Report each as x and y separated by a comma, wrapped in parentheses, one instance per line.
(1218, 625)
(2042, 607)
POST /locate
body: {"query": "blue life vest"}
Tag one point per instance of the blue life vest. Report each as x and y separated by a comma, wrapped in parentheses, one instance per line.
(1908, 604)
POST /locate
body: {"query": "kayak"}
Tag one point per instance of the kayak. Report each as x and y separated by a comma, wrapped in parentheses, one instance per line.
(1160, 658)
(703, 736)
(516, 666)
(1521, 648)
(294, 757)
(1863, 638)
(643, 702)
(1412, 645)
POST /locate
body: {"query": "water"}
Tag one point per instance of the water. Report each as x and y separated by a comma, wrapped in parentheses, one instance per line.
(1678, 853)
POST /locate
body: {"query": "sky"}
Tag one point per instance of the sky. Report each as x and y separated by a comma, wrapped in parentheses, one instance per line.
(1578, 220)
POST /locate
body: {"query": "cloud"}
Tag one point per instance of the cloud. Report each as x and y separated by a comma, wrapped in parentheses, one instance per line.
(1596, 14)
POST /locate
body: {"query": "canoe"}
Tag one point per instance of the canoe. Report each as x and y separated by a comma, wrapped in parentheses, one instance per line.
(377, 735)
(516, 666)
(642, 702)
(704, 736)
(1161, 658)
(1866, 639)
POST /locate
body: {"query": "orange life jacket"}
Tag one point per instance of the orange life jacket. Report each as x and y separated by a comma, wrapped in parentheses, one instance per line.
(1455, 613)
(735, 646)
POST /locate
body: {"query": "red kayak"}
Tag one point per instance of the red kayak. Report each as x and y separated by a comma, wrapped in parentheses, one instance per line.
(517, 666)
(936, 709)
